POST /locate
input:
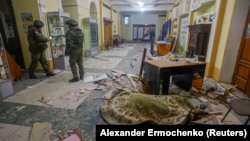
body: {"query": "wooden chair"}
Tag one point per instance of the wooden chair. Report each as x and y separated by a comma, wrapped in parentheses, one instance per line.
(172, 41)
(240, 107)
(117, 40)
(107, 44)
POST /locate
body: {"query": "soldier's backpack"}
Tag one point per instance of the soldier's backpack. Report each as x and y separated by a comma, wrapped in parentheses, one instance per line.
(31, 38)
(79, 38)
(30, 35)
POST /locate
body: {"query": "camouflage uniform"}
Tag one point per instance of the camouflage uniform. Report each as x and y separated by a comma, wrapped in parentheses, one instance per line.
(152, 40)
(75, 52)
(37, 46)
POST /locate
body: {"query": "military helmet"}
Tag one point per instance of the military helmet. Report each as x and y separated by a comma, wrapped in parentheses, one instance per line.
(38, 23)
(71, 22)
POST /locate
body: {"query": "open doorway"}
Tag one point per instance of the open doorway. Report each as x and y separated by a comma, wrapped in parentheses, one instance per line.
(8, 28)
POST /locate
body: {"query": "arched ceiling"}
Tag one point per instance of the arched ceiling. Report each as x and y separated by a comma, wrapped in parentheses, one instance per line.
(148, 5)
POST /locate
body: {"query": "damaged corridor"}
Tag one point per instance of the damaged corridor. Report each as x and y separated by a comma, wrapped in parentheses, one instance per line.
(60, 106)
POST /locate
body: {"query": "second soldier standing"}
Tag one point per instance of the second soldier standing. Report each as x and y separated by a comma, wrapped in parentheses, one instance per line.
(74, 49)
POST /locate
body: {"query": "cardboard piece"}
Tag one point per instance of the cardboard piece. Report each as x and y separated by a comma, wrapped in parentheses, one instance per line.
(40, 132)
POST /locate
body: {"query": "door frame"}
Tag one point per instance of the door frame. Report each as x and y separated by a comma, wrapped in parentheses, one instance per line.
(145, 31)
(238, 61)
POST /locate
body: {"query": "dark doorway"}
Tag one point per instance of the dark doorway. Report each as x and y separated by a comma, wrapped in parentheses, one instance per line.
(11, 39)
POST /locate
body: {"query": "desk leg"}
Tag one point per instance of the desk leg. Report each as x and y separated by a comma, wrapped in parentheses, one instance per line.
(152, 76)
(165, 78)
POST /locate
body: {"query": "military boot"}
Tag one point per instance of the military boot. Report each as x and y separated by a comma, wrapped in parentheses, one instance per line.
(74, 79)
(81, 77)
(32, 76)
(50, 74)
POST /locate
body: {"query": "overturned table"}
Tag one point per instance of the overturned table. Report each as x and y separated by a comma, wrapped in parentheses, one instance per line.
(157, 74)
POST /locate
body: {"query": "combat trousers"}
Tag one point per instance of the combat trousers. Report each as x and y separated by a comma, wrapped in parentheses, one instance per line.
(35, 58)
(76, 61)
(152, 46)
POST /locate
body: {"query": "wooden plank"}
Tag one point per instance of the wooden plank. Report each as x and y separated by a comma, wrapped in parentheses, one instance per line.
(40, 132)
(214, 119)
(78, 133)
(142, 62)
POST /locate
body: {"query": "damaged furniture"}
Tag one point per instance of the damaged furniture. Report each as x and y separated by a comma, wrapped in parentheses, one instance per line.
(117, 40)
(157, 74)
(164, 48)
(240, 107)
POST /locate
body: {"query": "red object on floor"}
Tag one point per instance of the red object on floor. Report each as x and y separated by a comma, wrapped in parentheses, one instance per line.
(15, 69)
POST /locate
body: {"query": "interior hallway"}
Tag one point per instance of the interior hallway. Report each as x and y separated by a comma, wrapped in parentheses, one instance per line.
(66, 111)
(69, 105)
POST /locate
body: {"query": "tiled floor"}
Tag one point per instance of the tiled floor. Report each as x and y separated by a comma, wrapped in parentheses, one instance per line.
(69, 105)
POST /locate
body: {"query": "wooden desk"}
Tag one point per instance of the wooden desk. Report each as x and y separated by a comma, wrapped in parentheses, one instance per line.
(163, 48)
(159, 71)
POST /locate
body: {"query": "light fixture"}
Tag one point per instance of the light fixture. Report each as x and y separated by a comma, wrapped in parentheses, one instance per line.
(140, 3)
(142, 9)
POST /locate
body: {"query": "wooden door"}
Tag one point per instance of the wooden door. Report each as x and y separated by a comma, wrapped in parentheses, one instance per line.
(241, 76)
(199, 38)
(107, 33)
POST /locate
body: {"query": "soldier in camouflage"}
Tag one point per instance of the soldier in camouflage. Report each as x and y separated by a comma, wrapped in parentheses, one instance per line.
(37, 46)
(74, 49)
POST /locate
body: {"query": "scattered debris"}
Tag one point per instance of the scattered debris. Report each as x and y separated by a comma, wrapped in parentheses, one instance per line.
(99, 58)
(93, 78)
(197, 76)
(131, 65)
(30, 87)
(78, 133)
(82, 91)
(210, 113)
(47, 102)
(212, 95)
(215, 121)
(184, 93)
(229, 90)
(194, 89)
(72, 137)
(19, 108)
(70, 96)
(97, 98)
(108, 95)
(69, 135)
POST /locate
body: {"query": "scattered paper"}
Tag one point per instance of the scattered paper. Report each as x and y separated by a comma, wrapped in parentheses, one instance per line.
(92, 78)
(19, 108)
(29, 87)
(73, 137)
